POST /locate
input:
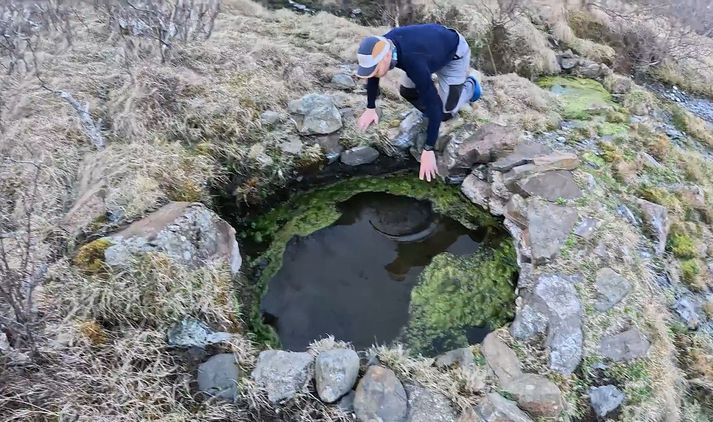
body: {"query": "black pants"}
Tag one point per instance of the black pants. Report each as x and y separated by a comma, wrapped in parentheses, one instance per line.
(454, 93)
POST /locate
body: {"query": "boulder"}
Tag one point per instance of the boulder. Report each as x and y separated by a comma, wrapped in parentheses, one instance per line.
(317, 114)
(193, 333)
(551, 162)
(537, 395)
(335, 373)
(605, 399)
(687, 308)
(343, 81)
(657, 222)
(617, 84)
(458, 357)
(425, 405)
(359, 155)
(496, 408)
(189, 233)
(476, 190)
(282, 374)
(485, 145)
(553, 307)
(380, 397)
(549, 226)
(500, 358)
(626, 346)
(611, 289)
(218, 376)
(550, 185)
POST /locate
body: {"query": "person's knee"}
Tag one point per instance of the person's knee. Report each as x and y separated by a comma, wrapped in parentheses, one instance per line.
(409, 94)
(453, 98)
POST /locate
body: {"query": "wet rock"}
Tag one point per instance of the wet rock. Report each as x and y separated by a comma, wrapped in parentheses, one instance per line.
(549, 226)
(189, 233)
(568, 63)
(410, 129)
(496, 408)
(459, 357)
(500, 358)
(346, 403)
(656, 217)
(524, 153)
(193, 333)
(218, 376)
(359, 155)
(476, 190)
(282, 374)
(380, 396)
(551, 185)
(626, 346)
(291, 146)
(425, 405)
(688, 310)
(516, 210)
(331, 147)
(335, 373)
(319, 115)
(269, 118)
(485, 145)
(605, 399)
(343, 81)
(585, 229)
(537, 395)
(553, 305)
(611, 289)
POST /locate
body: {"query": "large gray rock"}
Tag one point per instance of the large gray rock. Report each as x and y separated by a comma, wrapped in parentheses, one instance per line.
(478, 191)
(412, 130)
(550, 185)
(460, 357)
(343, 81)
(626, 346)
(189, 233)
(282, 374)
(218, 376)
(549, 226)
(611, 289)
(657, 222)
(335, 373)
(193, 333)
(516, 210)
(317, 114)
(359, 155)
(540, 164)
(553, 307)
(500, 358)
(425, 405)
(483, 146)
(496, 408)
(524, 153)
(537, 395)
(380, 397)
(605, 399)
(687, 308)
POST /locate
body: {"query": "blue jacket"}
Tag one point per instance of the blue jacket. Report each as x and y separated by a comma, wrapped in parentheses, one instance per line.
(421, 50)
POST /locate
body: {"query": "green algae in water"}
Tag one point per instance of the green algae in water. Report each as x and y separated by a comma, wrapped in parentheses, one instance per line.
(456, 294)
(311, 211)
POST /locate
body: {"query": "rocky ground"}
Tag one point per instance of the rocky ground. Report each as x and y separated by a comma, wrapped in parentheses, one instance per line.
(604, 185)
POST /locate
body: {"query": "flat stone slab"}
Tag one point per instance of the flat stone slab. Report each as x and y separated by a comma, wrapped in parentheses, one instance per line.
(551, 185)
(586, 228)
(500, 358)
(549, 226)
(657, 222)
(425, 405)
(496, 408)
(626, 346)
(537, 395)
(611, 289)
(524, 153)
(358, 156)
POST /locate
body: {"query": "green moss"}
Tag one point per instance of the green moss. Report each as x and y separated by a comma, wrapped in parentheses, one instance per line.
(639, 101)
(593, 159)
(610, 129)
(90, 257)
(682, 246)
(690, 269)
(611, 152)
(581, 98)
(457, 293)
(661, 197)
(635, 378)
(617, 117)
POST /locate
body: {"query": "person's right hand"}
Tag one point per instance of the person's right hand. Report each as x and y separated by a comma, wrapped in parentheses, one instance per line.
(368, 117)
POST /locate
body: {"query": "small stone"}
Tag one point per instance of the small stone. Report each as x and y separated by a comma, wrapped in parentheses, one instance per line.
(486, 144)
(459, 357)
(282, 374)
(500, 358)
(343, 81)
(410, 128)
(605, 399)
(687, 309)
(611, 289)
(551, 185)
(568, 63)
(269, 118)
(656, 217)
(476, 190)
(626, 346)
(585, 229)
(380, 396)
(591, 181)
(516, 210)
(359, 155)
(425, 405)
(218, 376)
(335, 373)
(537, 395)
(549, 226)
(319, 114)
(193, 333)
(292, 146)
(496, 408)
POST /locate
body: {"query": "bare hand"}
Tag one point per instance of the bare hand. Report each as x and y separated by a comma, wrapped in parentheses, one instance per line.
(429, 168)
(368, 117)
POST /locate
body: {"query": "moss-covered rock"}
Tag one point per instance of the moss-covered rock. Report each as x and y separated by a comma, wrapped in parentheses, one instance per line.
(90, 257)
(581, 98)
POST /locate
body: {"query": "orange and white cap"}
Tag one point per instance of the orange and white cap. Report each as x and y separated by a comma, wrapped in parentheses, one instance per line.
(371, 51)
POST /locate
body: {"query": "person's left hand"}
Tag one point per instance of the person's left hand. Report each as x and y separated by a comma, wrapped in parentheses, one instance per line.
(429, 168)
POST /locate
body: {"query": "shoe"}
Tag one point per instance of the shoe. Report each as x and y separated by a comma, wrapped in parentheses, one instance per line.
(477, 92)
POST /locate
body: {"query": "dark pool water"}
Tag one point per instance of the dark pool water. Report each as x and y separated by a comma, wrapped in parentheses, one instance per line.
(353, 280)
